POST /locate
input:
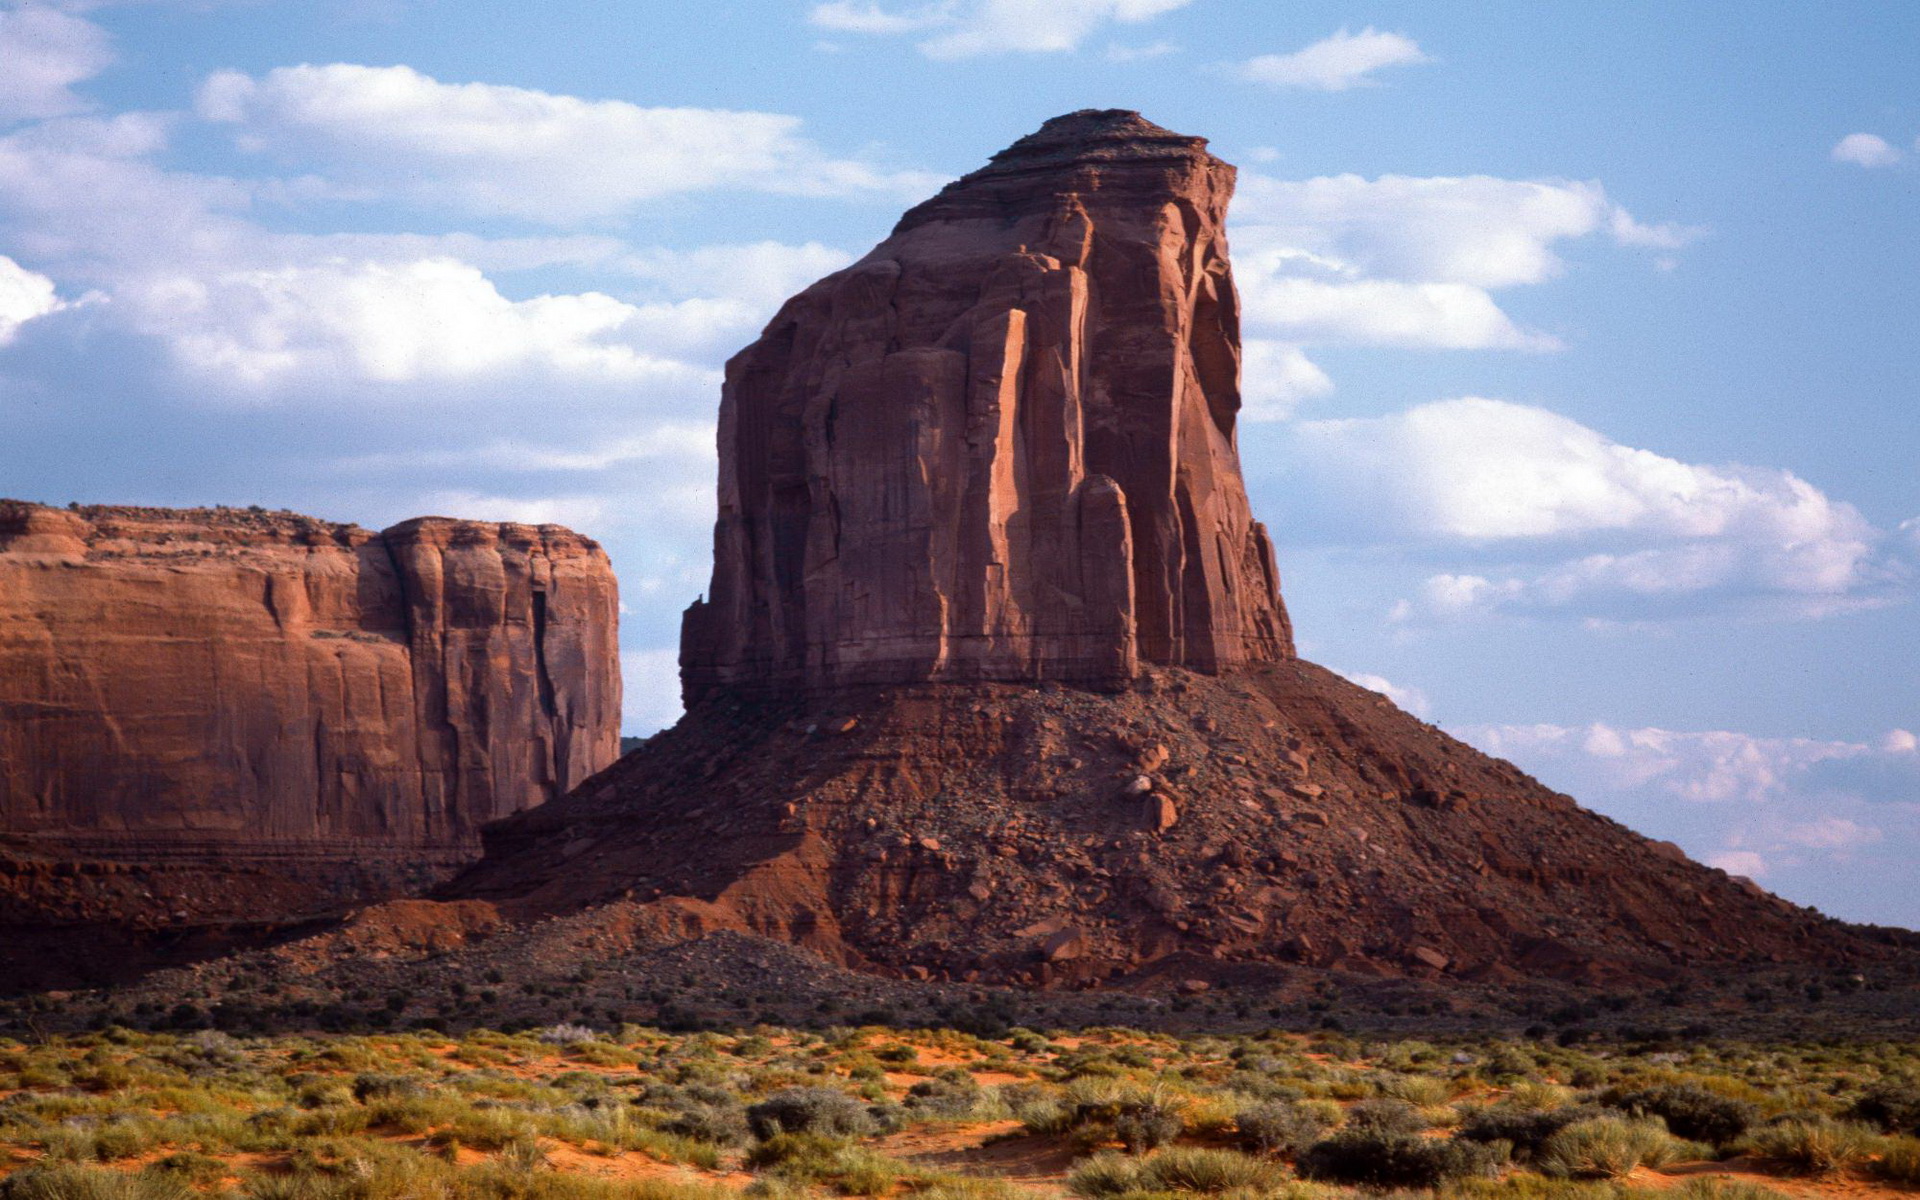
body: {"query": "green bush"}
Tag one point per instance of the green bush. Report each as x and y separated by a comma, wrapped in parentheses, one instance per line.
(951, 1095)
(1391, 1117)
(1397, 1160)
(1526, 1130)
(1145, 1125)
(1607, 1148)
(1689, 1110)
(1892, 1104)
(1283, 1129)
(814, 1110)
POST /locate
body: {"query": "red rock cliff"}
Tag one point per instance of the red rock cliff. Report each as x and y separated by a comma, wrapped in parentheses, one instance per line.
(229, 684)
(1000, 446)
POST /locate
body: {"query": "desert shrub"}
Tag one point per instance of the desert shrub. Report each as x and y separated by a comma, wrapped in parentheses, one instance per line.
(1284, 1129)
(1189, 1169)
(1689, 1110)
(1397, 1160)
(972, 1187)
(1892, 1104)
(1606, 1148)
(1040, 1113)
(1104, 1175)
(715, 1125)
(951, 1094)
(1814, 1145)
(814, 1158)
(1526, 1130)
(1421, 1091)
(190, 1166)
(1147, 1124)
(813, 1110)
(368, 1086)
(91, 1183)
(1205, 1170)
(1899, 1160)
(1714, 1187)
(1390, 1117)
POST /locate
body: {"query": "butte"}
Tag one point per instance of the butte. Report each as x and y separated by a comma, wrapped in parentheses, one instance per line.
(994, 682)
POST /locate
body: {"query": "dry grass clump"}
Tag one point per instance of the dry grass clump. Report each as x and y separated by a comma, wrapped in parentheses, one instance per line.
(1607, 1148)
(1814, 1145)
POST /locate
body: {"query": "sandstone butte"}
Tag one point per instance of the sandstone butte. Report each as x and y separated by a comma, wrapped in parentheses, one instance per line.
(994, 682)
(1001, 445)
(214, 714)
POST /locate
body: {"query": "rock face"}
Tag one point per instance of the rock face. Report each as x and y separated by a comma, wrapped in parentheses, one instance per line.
(225, 687)
(1001, 445)
(990, 465)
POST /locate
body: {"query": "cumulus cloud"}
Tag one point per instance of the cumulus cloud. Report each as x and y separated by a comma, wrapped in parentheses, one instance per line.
(1388, 312)
(24, 295)
(1626, 533)
(1412, 699)
(202, 355)
(1819, 820)
(491, 149)
(1865, 150)
(1472, 229)
(1335, 63)
(1414, 261)
(1277, 379)
(45, 52)
(965, 28)
(401, 322)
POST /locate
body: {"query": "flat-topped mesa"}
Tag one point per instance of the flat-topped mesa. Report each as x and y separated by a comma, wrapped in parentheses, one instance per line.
(231, 685)
(1000, 446)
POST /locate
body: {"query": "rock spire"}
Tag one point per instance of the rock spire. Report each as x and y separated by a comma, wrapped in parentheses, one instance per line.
(1001, 446)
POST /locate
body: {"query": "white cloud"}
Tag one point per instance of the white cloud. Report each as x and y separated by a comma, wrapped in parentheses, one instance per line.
(762, 273)
(1471, 229)
(1739, 862)
(1412, 699)
(578, 512)
(399, 322)
(1406, 261)
(1116, 52)
(1335, 63)
(1649, 535)
(1276, 378)
(24, 295)
(43, 53)
(1388, 312)
(964, 28)
(845, 16)
(1865, 150)
(1819, 819)
(548, 158)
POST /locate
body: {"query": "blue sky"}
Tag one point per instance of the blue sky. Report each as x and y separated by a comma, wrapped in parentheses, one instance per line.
(1581, 358)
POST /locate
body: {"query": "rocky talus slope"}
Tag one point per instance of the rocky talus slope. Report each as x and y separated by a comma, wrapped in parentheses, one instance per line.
(994, 683)
(223, 714)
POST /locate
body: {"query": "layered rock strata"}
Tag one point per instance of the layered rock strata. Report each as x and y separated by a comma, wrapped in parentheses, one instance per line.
(223, 687)
(1001, 445)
